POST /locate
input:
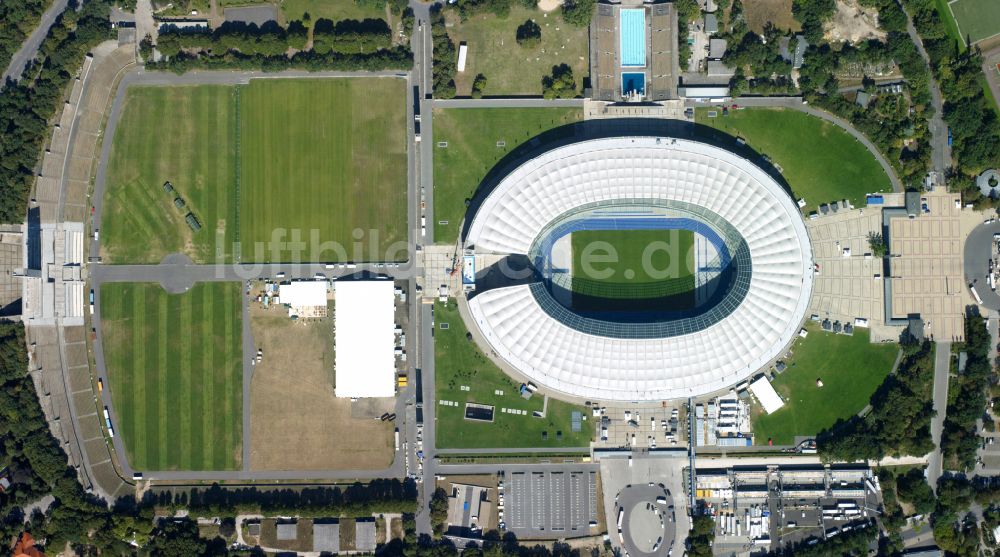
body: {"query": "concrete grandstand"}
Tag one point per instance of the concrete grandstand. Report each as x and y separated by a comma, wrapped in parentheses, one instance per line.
(753, 269)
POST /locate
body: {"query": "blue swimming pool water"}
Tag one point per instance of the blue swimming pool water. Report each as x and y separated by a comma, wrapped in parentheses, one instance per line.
(633, 37)
(633, 82)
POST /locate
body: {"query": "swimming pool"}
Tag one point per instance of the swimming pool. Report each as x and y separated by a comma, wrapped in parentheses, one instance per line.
(633, 37)
(633, 82)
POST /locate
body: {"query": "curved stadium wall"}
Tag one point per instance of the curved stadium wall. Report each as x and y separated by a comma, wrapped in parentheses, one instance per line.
(735, 336)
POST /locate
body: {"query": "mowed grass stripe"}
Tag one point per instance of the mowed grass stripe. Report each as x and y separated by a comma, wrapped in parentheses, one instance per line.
(173, 385)
(330, 157)
(181, 134)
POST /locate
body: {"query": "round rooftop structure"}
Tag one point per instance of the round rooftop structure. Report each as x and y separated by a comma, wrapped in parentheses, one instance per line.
(753, 260)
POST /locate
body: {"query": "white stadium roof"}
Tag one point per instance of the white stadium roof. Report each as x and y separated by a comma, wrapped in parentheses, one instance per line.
(365, 361)
(558, 356)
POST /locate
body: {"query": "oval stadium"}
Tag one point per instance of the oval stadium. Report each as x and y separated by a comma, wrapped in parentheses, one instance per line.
(639, 268)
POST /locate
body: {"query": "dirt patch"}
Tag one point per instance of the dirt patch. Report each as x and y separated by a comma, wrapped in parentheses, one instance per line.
(348, 534)
(396, 528)
(853, 23)
(303, 535)
(296, 421)
(778, 12)
(549, 5)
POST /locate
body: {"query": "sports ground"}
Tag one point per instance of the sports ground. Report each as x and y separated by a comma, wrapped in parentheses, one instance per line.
(976, 19)
(312, 157)
(477, 139)
(851, 368)
(820, 161)
(631, 264)
(175, 372)
(458, 364)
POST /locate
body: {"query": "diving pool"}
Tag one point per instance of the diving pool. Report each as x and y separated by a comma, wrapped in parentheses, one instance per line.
(633, 83)
(633, 37)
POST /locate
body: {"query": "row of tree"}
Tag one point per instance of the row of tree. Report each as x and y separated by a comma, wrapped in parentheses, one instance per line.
(960, 438)
(445, 57)
(26, 108)
(351, 36)
(19, 20)
(398, 58)
(899, 422)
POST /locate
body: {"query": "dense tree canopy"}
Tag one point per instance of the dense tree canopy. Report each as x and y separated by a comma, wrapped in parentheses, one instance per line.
(19, 20)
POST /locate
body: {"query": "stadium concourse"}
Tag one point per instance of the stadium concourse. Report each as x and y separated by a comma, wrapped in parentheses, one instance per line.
(755, 271)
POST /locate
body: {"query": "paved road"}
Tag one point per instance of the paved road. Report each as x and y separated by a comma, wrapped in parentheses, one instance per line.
(31, 45)
(940, 150)
(508, 103)
(635, 531)
(942, 368)
(796, 104)
(976, 256)
(429, 403)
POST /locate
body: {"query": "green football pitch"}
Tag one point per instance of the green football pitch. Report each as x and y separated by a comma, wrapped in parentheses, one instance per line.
(634, 265)
(175, 373)
(287, 167)
(976, 19)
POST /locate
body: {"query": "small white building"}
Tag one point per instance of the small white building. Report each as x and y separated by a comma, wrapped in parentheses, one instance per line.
(463, 53)
(766, 395)
(304, 298)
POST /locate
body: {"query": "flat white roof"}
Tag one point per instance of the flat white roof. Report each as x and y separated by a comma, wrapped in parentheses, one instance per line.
(363, 338)
(766, 394)
(463, 52)
(303, 293)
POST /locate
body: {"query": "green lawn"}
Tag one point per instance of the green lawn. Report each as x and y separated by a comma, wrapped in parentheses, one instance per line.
(941, 6)
(633, 264)
(977, 19)
(270, 160)
(472, 135)
(458, 362)
(323, 157)
(820, 161)
(509, 68)
(184, 135)
(330, 9)
(175, 372)
(850, 367)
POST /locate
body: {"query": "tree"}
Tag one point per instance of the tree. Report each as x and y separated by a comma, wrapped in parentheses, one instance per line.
(439, 510)
(478, 85)
(912, 487)
(877, 244)
(177, 538)
(578, 12)
(701, 536)
(559, 85)
(529, 34)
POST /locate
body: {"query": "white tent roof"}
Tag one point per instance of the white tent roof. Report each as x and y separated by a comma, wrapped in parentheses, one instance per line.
(604, 368)
(363, 320)
(303, 293)
(766, 395)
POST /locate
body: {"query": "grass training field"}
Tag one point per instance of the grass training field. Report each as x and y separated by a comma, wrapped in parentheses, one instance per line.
(850, 367)
(175, 372)
(820, 161)
(323, 155)
(633, 264)
(509, 68)
(473, 135)
(976, 19)
(459, 363)
(185, 135)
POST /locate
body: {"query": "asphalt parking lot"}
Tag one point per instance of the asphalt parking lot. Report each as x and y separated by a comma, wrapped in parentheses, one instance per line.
(543, 504)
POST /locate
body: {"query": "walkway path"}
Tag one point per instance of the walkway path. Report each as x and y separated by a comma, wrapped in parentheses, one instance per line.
(942, 368)
(31, 45)
(940, 150)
